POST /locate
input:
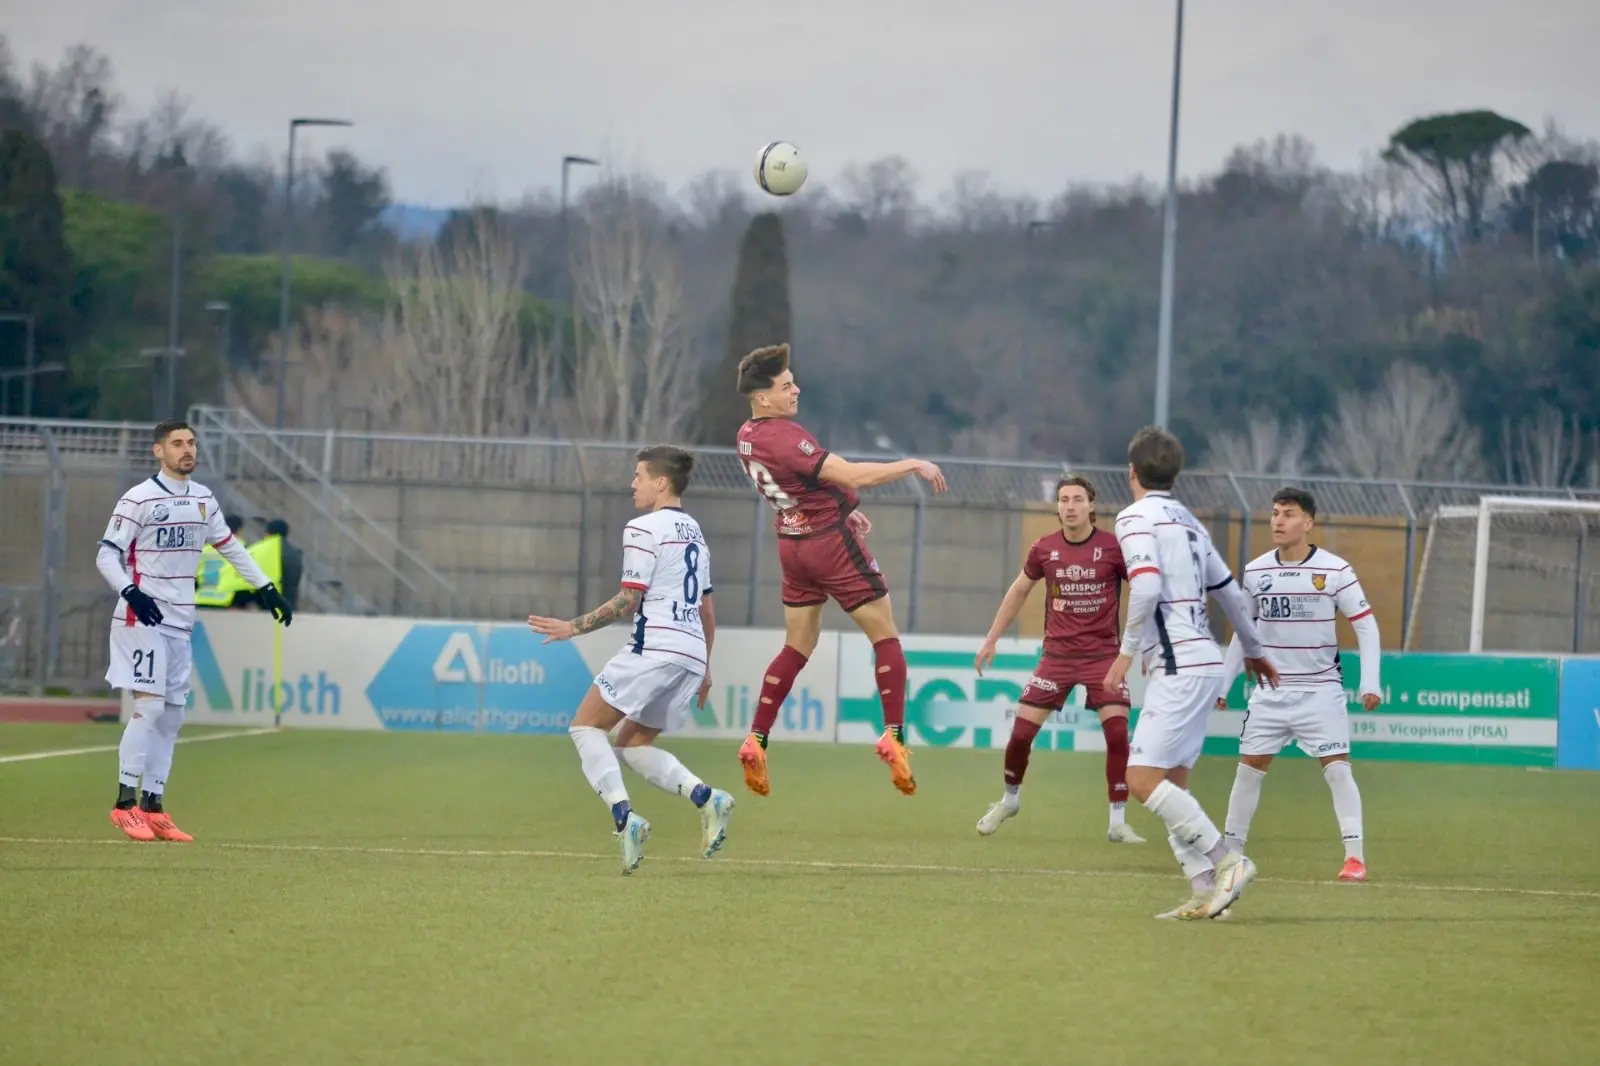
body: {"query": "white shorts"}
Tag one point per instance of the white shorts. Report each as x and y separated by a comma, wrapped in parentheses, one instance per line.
(1171, 728)
(1314, 717)
(653, 693)
(146, 659)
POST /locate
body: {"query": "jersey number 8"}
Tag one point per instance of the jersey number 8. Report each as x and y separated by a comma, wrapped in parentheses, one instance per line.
(767, 485)
(691, 576)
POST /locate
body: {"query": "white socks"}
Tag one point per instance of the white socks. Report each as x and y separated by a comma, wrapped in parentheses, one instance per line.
(1196, 867)
(1242, 803)
(1185, 820)
(1119, 814)
(137, 735)
(1346, 806)
(599, 763)
(1013, 797)
(163, 740)
(662, 769)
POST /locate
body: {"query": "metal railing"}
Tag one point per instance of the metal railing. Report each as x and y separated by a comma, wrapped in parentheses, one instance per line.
(492, 528)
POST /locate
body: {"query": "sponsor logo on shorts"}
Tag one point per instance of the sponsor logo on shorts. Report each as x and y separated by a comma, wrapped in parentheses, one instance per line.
(1334, 748)
(1042, 684)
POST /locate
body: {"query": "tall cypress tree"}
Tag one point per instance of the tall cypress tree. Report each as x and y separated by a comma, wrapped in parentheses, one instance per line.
(759, 316)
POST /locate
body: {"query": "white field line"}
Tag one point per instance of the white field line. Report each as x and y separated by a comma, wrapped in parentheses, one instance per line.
(34, 756)
(803, 864)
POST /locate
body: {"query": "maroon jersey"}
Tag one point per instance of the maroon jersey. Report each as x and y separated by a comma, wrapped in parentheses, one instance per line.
(783, 460)
(1083, 589)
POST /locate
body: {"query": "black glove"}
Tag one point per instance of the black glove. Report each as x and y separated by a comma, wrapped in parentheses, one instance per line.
(144, 608)
(273, 601)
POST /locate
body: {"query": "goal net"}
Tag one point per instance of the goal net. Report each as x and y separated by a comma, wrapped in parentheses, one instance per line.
(1513, 574)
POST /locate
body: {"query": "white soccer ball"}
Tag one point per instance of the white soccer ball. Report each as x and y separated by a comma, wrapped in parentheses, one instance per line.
(780, 170)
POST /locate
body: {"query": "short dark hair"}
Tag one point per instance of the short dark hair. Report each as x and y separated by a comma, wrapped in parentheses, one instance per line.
(277, 528)
(1075, 479)
(235, 523)
(674, 464)
(761, 368)
(166, 429)
(1299, 497)
(1156, 457)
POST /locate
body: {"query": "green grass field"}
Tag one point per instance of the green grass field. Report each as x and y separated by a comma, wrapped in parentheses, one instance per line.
(370, 898)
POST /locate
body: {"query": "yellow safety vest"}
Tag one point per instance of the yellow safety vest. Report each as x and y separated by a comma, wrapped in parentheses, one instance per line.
(217, 580)
(268, 554)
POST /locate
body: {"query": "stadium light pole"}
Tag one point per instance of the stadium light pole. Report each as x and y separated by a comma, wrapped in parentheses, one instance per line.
(1169, 238)
(288, 254)
(568, 297)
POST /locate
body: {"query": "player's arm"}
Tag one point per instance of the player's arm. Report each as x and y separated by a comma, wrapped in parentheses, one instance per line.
(1010, 606)
(842, 472)
(1233, 660)
(111, 559)
(638, 567)
(1236, 605)
(1351, 602)
(220, 537)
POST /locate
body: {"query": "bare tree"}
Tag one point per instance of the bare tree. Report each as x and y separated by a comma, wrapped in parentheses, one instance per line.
(636, 376)
(1266, 446)
(1411, 427)
(463, 366)
(1546, 449)
(344, 373)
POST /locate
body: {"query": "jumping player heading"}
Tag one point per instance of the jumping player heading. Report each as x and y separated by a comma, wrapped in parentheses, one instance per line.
(1083, 573)
(822, 549)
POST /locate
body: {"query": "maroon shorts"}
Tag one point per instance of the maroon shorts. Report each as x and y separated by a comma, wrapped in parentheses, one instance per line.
(1053, 678)
(829, 566)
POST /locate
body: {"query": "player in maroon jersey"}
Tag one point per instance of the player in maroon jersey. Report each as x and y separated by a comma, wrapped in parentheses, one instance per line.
(822, 548)
(1083, 572)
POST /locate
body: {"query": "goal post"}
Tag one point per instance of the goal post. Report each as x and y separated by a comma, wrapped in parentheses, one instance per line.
(1513, 573)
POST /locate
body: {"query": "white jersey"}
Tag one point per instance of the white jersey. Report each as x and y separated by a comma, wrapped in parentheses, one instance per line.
(154, 539)
(1159, 535)
(664, 554)
(1295, 604)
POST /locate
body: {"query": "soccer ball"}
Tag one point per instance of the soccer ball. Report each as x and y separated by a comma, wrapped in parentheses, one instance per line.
(779, 169)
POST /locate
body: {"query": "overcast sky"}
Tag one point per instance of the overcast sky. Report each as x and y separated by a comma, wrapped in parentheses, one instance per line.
(484, 96)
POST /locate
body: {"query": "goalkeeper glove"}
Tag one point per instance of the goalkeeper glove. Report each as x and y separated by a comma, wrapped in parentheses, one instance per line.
(144, 608)
(273, 601)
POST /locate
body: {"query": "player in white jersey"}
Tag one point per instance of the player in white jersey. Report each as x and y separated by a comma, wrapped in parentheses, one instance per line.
(149, 554)
(1172, 568)
(649, 685)
(1295, 591)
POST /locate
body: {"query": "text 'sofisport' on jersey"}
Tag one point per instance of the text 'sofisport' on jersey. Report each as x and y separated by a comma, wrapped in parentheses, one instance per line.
(1295, 605)
(664, 555)
(1159, 535)
(784, 461)
(160, 530)
(1083, 592)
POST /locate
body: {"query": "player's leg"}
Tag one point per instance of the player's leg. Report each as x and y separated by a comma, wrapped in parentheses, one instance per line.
(1114, 726)
(636, 743)
(1168, 737)
(1031, 715)
(875, 617)
(590, 731)
(802, 625)
(1325, 733)
(1266, 730)
(134, 654)
(164, 741)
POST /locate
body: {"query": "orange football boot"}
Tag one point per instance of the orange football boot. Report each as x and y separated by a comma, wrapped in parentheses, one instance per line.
(895, 754)
(1354, 870)
(132, 822)
(161, 825)
(753, 757)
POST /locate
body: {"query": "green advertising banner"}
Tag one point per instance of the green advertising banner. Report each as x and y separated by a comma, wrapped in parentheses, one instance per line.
(1437, 708)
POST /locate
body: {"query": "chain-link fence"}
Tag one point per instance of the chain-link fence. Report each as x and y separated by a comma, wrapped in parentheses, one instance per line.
(497, 528)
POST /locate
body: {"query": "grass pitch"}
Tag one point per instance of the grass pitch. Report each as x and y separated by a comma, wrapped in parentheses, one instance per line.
(372, 898)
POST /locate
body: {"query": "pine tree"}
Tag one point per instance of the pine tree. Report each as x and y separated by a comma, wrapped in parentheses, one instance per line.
(36, 271)
(759, 315)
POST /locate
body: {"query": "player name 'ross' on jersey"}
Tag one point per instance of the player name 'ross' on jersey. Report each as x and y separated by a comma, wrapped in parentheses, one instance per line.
(1296, 605)
(664, 555)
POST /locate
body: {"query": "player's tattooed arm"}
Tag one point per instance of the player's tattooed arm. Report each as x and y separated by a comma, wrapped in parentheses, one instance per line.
(624, 603)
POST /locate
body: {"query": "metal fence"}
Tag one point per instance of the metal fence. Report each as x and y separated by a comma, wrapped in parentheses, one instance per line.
(495, 528)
